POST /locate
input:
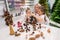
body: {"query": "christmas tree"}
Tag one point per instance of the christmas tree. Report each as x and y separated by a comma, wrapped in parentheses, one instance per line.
(56, 12)
(46, 6)
(54, 5)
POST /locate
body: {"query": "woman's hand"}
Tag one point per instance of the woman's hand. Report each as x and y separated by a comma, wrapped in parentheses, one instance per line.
(38, 18)
(33, 15)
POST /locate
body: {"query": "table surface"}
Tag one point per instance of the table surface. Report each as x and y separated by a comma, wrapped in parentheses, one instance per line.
(54, 35)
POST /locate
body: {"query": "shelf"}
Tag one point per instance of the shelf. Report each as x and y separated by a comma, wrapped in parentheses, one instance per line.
(14, 2)
(21, 2)
(18, 3)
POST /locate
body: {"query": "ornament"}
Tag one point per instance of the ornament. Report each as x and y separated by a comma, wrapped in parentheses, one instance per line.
(11, 30)
(9, 20)
(32, 38)
(19, 24)
(17, 34)
(33, 20)
(37, 35)
(34, 27)
(48, 30)
(21, 30)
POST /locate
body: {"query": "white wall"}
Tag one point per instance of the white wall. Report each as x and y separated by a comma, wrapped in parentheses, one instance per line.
(51, 3)
(36, 1)
(2, 22)
(2, 5)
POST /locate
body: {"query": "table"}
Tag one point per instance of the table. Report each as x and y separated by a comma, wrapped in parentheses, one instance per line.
(54, 35)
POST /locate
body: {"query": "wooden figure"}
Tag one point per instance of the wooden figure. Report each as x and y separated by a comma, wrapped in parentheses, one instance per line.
(11, 30)
(34, 27)
(32, 38)
(9, 20)
(6, 13)
(19, 24)
(37, 35)
(21, 30)
(17, 34)
(48, 30)
(39, 26)
(42, 35)
(33, 20)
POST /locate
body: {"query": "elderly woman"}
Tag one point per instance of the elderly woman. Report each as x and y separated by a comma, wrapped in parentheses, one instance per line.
(40, 14)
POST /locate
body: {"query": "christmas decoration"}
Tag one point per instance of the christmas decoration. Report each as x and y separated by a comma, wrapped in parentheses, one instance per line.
(11, 30)
(21, 30)
(32, 38)
(37, 35)
(45, 4)
(56, 12)
(33, 20)
(17, 34)
(9, 20)
(49, 30)
(41, 34)
(34, 27)
(19, 24)
(6, 13)
(54, 5)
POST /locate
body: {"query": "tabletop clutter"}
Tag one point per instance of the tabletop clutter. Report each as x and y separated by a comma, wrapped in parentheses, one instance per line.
(24, 27)
(30, 26)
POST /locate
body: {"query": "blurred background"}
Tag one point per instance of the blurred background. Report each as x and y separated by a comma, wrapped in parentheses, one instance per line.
(18, 6)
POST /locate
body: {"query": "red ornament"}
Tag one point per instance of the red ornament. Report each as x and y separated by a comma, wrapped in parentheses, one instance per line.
(19, 24)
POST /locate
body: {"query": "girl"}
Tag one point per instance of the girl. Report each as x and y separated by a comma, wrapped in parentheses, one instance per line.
(28, 14)
(30, 19)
